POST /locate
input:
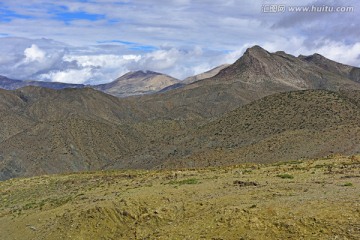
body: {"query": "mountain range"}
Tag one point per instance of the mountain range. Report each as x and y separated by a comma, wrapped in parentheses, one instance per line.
(130, 84)
(269, 71)
(12, 84)
(265, 107)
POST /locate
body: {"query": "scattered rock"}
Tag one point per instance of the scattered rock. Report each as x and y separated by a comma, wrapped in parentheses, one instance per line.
(31, 227)
(245, 184)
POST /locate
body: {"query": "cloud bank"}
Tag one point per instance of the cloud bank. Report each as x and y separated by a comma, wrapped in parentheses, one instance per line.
(48, 60)
(96, 41)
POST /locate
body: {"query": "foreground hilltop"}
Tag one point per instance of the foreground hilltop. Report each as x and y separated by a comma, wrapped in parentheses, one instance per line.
(291, 125)
(313, 199)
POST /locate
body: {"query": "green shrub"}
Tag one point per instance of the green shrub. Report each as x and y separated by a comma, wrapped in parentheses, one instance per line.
(185, 181)
(285, 176)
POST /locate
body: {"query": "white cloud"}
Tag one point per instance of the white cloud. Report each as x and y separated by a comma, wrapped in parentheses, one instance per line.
(179, 37)
(50, 60)
(348, 54)
(161, 59)
(201, 68)
(68, 76)
(34, 53)
(232, 56)
(102, 60)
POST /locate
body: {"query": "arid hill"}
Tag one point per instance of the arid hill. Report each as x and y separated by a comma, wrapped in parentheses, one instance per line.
(53, 131)
(291, 125)
(137, 83)
(56, 131)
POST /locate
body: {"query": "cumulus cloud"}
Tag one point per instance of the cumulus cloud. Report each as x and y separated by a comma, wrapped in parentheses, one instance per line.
(34, 53)
(97, 41)
(102, 60)
(48, 60)
(161, 59)
(76, 76)
(348, 54)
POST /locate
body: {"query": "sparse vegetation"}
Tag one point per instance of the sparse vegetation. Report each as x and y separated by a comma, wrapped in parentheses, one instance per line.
(285, 176)
(185, 181)
(245, 183)
(214, 203)
(274, 128)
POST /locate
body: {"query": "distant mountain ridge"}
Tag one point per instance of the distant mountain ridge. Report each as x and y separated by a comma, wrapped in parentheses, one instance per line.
(208, 74)
(132, 83)
(12, 84)
(257, 70)
(137, 83)
(282, 70)
(350, 72)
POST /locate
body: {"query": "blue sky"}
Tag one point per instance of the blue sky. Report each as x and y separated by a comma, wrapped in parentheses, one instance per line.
(96, 41)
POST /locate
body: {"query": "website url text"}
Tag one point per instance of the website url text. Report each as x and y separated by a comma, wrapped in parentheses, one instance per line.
(281, 8)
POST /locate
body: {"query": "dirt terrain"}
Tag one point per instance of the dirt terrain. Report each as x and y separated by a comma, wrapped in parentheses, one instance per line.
(312, 199)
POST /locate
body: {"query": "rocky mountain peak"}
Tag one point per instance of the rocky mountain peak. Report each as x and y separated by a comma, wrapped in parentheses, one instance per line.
(344, 70)
(256, 50)
(316, 57)
(139, 74)
(255, 61)
(254, 54)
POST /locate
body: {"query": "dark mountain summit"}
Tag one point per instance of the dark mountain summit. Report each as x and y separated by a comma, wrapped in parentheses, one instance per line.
(347, 71)
(282, 71)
